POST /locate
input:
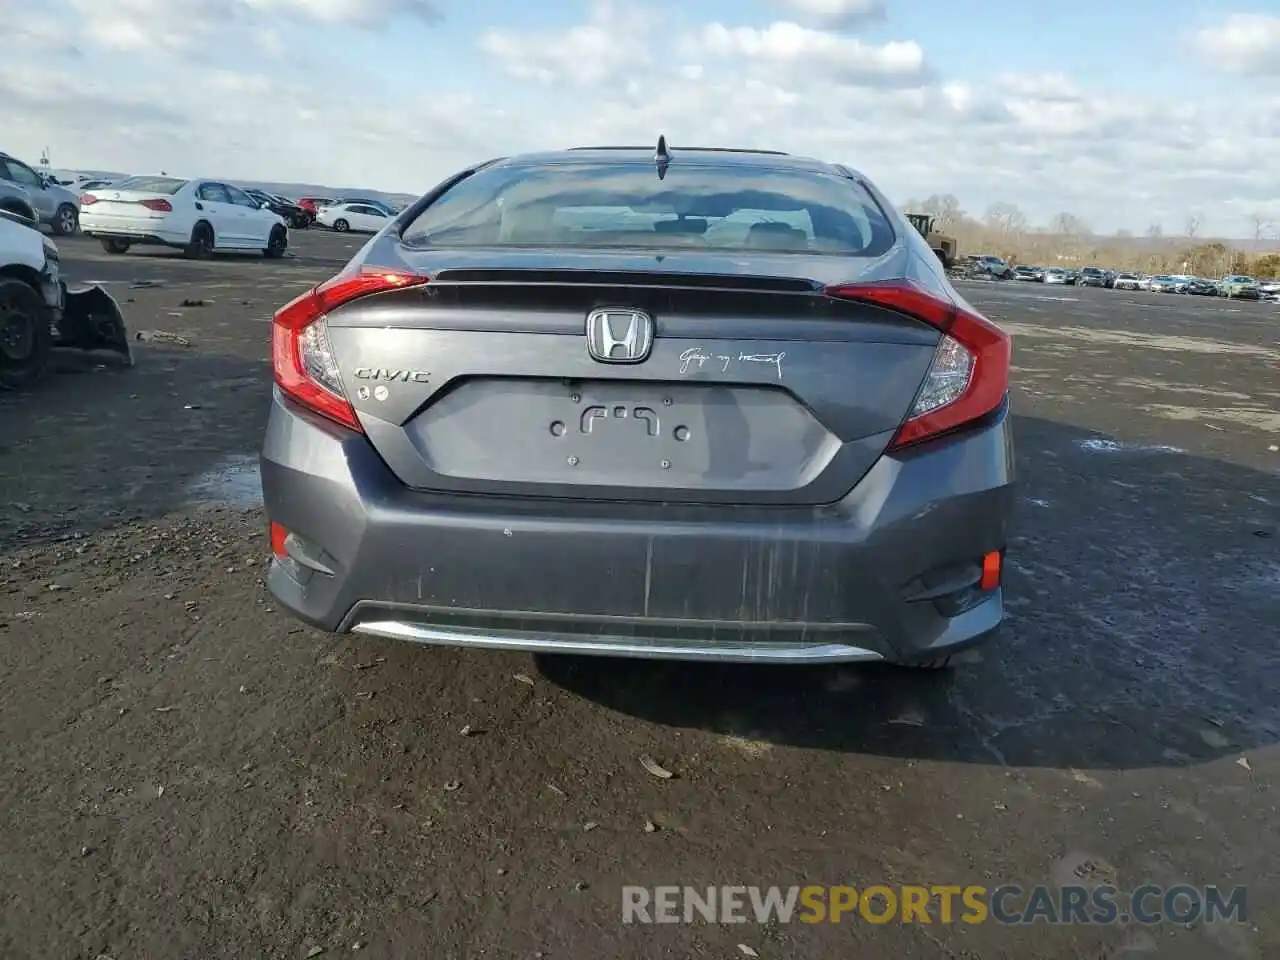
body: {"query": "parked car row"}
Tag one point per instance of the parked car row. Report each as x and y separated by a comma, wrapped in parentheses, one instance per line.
(1234, 286)
(41, 196)
(1087, 277)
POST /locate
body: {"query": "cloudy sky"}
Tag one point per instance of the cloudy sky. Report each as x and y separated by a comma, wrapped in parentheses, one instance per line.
(1125, 112)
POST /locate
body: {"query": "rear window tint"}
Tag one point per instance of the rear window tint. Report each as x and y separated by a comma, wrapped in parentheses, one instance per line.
(150, 184)
(697, 205)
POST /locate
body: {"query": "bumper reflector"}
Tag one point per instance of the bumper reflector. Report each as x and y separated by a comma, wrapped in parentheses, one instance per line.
(278, 536)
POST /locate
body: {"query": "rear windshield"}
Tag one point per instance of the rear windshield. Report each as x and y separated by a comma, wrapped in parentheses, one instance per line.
(150, 184)
(699, 206)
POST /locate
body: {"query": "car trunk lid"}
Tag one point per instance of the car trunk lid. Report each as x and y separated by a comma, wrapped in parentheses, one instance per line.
(128, 203)
(758, 388)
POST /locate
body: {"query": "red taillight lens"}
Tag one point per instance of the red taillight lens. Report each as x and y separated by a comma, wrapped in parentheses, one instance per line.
(88, 199)
(301, 355)
(969, 375)
(163, 206)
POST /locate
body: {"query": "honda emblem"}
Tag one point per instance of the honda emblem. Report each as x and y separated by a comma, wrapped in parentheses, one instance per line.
(619, 335)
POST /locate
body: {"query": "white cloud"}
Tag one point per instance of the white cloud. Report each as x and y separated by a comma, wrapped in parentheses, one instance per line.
(838, 14)
(790, 45)
(270, 42)
(158, 26)
(352, 12)
(623, 74)
(613, 43)
(1244, 43)
(44, 35)
(132, 26)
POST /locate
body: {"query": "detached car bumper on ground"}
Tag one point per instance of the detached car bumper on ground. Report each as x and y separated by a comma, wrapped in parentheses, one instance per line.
(710, 449)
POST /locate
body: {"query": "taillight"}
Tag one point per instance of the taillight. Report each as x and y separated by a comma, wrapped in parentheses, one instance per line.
(301, 355)
(88, 199)
(969, 375)
(163, 206)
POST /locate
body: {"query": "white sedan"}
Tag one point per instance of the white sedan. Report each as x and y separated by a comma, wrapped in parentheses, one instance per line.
(360, 217)
(199, 216)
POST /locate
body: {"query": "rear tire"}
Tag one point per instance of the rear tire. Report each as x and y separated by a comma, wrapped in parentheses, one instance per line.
(341, 226)
(25, 338)
(66, 221)
(277, 244)
(200, 246)
(117, 247)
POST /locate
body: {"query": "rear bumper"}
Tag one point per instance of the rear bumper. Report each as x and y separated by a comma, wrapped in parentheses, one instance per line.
(888, 573)
(137, 239)
(132, 229)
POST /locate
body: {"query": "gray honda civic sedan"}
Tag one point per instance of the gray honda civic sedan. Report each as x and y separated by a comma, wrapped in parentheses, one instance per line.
(649, 402)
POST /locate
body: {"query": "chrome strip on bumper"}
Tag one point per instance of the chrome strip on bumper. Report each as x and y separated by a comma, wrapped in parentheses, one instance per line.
(618, 646)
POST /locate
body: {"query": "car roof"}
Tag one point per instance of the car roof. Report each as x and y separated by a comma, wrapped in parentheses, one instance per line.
(702, 156)
(168, 177)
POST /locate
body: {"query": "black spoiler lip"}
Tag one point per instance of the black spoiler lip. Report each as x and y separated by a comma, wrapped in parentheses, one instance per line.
(765, 270)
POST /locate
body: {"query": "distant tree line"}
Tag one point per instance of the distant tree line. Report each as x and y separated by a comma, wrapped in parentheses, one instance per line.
(1067, 240)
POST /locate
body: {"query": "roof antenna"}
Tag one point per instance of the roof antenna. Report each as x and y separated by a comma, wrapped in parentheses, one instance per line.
(662, 158)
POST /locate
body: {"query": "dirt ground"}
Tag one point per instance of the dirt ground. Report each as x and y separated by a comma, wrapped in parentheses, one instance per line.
(190, 774)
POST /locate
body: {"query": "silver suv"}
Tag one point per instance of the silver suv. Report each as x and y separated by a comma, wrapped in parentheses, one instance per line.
(53, 204)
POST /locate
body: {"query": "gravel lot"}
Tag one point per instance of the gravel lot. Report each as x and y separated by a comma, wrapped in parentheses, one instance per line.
(188, 773)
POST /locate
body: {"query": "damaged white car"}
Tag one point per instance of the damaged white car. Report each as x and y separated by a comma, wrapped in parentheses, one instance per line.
(38, 312)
